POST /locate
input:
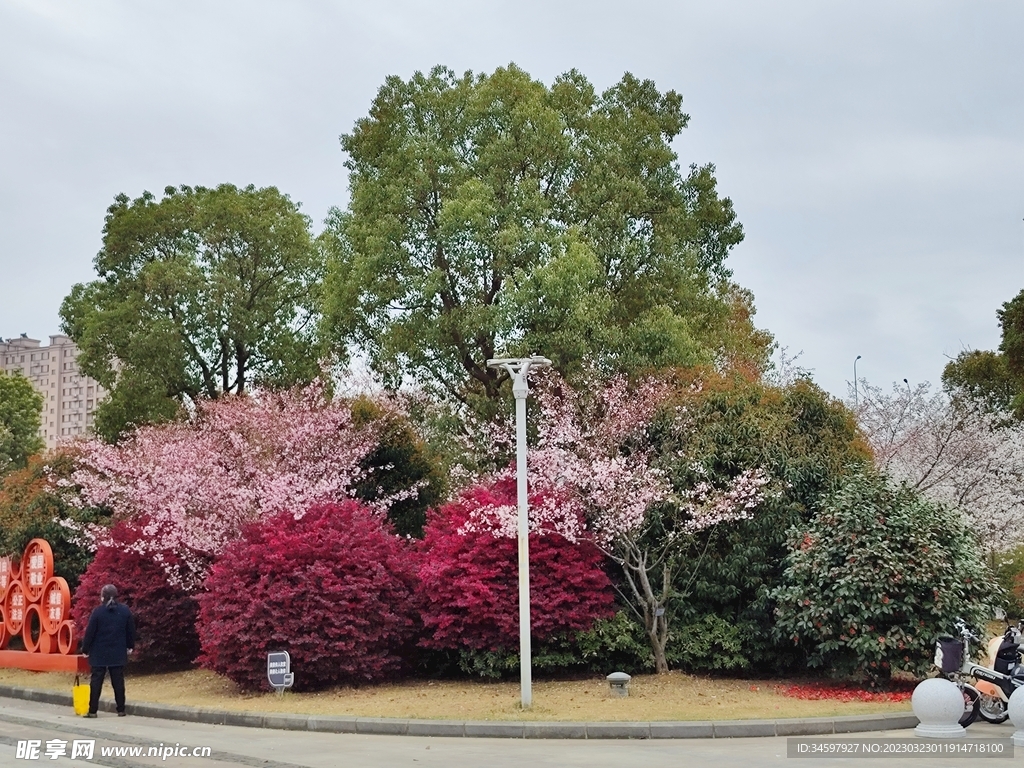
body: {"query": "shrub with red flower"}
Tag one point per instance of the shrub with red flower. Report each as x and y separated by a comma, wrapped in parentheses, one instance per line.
(332, 586)
(469, 574)
(165, 615)
(886, 572)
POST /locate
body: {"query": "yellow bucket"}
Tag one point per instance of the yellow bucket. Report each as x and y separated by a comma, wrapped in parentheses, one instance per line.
(80, 697)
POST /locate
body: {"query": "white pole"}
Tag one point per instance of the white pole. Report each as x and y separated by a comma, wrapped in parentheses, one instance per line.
(525, 653)
(518, 370)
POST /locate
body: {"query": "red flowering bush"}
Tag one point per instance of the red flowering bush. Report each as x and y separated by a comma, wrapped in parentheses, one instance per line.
(332, 586)
(468, 586)
(165, 615)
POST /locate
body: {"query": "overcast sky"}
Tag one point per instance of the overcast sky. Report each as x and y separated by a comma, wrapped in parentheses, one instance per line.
(874, 151)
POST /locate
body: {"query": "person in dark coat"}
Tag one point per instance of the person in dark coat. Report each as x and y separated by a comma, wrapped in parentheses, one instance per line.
(108, 640)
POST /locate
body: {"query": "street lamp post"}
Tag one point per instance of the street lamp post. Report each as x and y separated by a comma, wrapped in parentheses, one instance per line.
(856, 401)
(906, 405)
(518, 369)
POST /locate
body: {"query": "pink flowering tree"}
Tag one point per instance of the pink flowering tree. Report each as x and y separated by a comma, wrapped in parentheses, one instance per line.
(191, 487)
(595, 447)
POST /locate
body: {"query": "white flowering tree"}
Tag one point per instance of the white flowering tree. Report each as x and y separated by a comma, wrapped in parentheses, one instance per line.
(957, 452)
(593, 450)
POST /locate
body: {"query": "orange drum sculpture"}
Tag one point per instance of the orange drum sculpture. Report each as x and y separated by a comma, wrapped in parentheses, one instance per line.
(36, 605)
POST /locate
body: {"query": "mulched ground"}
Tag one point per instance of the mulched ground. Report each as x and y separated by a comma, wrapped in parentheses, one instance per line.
(675, 696)
(817, 691)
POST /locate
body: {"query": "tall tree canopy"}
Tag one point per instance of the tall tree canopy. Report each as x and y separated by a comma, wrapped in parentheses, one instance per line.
(20, 417)
(201, 293)
(996, 378)
(1011, 319)
(491, 214)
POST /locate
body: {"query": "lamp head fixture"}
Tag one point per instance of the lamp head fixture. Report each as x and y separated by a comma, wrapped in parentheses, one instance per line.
(518, 368)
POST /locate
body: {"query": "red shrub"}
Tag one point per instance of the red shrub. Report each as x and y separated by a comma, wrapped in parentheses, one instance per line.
(469, 580)
(165, 616)
(333, 588)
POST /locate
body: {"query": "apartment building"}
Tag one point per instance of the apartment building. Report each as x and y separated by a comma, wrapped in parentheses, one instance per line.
(70, 397)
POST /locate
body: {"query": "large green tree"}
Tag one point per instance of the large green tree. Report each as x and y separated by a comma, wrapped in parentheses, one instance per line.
(200, 293)
(491, 215)
(21, 407)
(995, 378)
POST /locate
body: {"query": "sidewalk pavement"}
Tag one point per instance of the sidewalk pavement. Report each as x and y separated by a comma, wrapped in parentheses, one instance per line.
(230, 745)
(808, 726)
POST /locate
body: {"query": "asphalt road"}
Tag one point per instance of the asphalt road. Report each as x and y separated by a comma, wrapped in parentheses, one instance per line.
(264, 748)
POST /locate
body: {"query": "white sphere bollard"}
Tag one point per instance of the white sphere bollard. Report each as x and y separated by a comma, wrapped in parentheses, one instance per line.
(1016, 711)
(939, 705)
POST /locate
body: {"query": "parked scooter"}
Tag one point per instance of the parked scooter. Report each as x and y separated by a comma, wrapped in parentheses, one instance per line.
(1005, 657)
(989, 696)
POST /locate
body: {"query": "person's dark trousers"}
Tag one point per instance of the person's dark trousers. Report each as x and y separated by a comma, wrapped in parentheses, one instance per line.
(96, 683)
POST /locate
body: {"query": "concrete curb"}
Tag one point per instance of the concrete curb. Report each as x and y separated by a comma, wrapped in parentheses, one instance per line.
(509, 729)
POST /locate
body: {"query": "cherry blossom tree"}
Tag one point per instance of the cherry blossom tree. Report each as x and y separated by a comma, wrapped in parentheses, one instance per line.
(191, 487)
(594, 447)
(954, 451)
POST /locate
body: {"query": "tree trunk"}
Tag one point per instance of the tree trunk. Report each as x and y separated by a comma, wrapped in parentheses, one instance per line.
(653, 608)
(659, 640)
(241, 360)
